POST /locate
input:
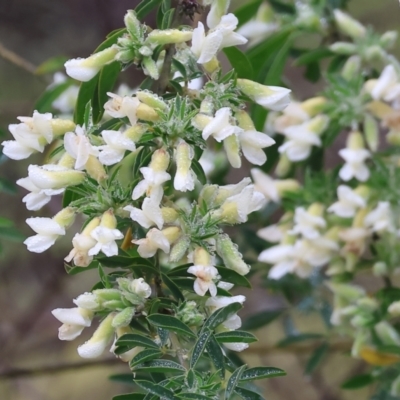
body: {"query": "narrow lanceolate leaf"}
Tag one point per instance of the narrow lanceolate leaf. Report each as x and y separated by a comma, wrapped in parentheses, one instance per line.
(129, 396)
(173, 287)
(214, 351)
(132, 340)
(145, 7)
(45, 101)
(198, 170)
(252, 374)
(316, 358)
(170, 323)
(159, 365)
(156, 389)
(192, 396)
(299, 338)
(235, 337)
(221, 315)
(200, 346)
(357, 382)
(247, 394)
(231, 276)
(143, 356)
(239, 62)
(233, 381)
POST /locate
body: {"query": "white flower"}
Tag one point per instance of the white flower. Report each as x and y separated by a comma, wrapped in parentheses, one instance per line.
(184, 177)
(78, 146)
(101, 338)
(114, 149)
(74, 321)
(105, 238)
(252, 143)
(65, 103)
(386, 87)
(272, 233)
(141, 288)
(307, 224)
(205, 277)
(38, 197)
(354, 166)
(348, 202)
(257, 31)
(47, 231)
(220, 127)
(217, 302)
(265, 184)
(355, 239)
(380, 219)
(223, 35)
(293, 115)
(122, 106)
(31, 136)
(282, 258)
(88, 301)
(155, 239)
(149, 215)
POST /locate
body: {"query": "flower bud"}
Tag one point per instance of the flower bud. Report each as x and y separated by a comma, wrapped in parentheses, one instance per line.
(84, 69)
(388, 39)
(393, 138)
(206, 107)
(190, 315)
(160, 160)
(95, 169)
(168, 36)
(374, 53)
(125, 56)
(145, 51)
(387, 334)
(314, 105)
(150, 68)
(184, 176)
(105, 295)
(172, 234)
(147, 113)
(61, 126)
(132, 23)
(346, 291)
(286, 185)
(229, 253)
(271, 97)
(343, 48)
(232, 149)
(284, 166)
(351, 68)
(211, 66)
(348, 25)
(135, 133)
(140, 287)
(395, 387)
(108, 220)
(179, 249)
(65, 217)
(355, 141)
(96, 345)
(151, 99)
(88, 301)
(394, 309)
(123, 318)
(66, 161)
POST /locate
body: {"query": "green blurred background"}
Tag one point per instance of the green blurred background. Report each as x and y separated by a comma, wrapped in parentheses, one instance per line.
(32, 285)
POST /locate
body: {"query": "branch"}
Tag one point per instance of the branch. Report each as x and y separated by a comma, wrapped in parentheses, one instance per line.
(55, 369)
(16, 59)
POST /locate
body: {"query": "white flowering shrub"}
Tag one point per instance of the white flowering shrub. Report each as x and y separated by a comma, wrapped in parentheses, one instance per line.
(144, 175)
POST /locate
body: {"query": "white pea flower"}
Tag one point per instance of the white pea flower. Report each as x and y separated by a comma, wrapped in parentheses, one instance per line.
(387, 86)
(281, 257)
(31, 136)
(149, 215)
(380, 219)
(349, 202)
(154, 176)
(223, 35)
(308, 222)
(273, 233)
(217, 10)
(155, 239)
(257, 31)
(252, 142)
(141, 288)
(101, 338)
(78, 146)
(74, 321)
(217, 302)
(122, 106)
(354, 166)
(87, 301)
(184, 177)
(220, 126)
(38, 197)
(47, 231)
(114, 149)
(293, 115)
(82, 243)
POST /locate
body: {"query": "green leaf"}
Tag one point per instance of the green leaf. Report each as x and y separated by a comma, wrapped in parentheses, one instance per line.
(106, 80)
(7, 187)
(132, 340)
(173, 287)
(233, 381)
(85, 95)
(358, 382)
(313, 72)
(180, 67)
(316, 358)
(247, 394)
(126, 379)
(45, 101)
(143, 356)
(247, 11)
(192, 396)
(129, 396)
(156, 389)
(239, 62)
(256, 373)
(170, 323)
(200, 346)
(111, 39)
(299, 338)
(214, 351)
(198, 170)
(51, 65)
(235, 337)
(167, 19)
(145, 7)
(283, 8)
(191, 379)
(313, 55)
(10, 233)
(221, 315)
(260, 319)
(104, 278)
(231, 276)
(159, 365)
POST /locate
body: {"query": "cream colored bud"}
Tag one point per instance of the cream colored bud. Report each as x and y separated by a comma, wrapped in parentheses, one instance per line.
(348, 25)
(375, 53)
(343, 48)
(151, 99)
(132, 23)
(135, 132)
(200, 121)
(363, 191)
(229, 253)
(168, 36)
(201, 256)
(95, 169)
(123, 318)
(65, 217)
(93, 223)
(318, 124)
(286, 185)
(147, 113)
(314, 105)
(371, 131)
(393, 137)
(61, 126)
(219, 8)
(388, 39)
(125, 56)
(108, 219)
(179, 249)
(172, 233)
(54, 176)
(66, 161)
(206, 107)
(232, 149)
(316, 209)
(352, 68)
(358, 220)
(283, 167)
(355, 141)
(380, 269)
(208, 195)
(212, 66)
(169, 215)
(160, 160)
(244, 120)
(378, 109)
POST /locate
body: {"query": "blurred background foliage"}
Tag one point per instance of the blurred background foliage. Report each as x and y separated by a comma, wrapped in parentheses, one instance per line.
(31, 285)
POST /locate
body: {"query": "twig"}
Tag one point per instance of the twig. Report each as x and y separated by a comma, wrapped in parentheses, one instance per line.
(55, 369)
(16, 59)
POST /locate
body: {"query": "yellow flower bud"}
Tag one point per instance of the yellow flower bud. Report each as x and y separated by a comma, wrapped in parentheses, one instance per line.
(108, 219)
(160, 160)
(95, 169)
(65, 217)
(61, 126)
